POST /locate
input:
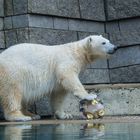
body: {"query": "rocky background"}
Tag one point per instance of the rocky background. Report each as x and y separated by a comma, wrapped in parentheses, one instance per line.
(53, 22)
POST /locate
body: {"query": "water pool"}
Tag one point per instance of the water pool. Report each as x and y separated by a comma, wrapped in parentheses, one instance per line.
(71, 131)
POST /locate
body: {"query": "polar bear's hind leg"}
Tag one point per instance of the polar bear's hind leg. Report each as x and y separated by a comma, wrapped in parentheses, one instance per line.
(11, 98)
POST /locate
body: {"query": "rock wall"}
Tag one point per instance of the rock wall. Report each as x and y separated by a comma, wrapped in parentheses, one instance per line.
(123, 28)
(53, 22)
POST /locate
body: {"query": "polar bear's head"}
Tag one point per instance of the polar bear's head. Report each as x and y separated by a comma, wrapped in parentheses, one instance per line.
(100, 46)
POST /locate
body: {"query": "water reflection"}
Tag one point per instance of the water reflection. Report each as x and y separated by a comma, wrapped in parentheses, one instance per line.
(109, 131)
(78, 131)
(51, 132)
(92, 131)
(16, 132)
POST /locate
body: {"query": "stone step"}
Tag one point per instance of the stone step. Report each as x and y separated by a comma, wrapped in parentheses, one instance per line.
(118, 99)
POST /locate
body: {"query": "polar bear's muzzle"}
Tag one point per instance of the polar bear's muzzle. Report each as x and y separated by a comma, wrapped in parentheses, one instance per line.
(112, 49)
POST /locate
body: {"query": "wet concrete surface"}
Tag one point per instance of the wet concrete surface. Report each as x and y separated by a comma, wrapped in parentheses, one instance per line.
(106, 119)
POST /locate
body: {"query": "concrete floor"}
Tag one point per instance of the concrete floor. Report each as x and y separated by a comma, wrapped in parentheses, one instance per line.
(109, 119)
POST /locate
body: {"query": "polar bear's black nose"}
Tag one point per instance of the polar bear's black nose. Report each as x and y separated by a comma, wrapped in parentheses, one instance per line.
(115, 47)
(111, 51)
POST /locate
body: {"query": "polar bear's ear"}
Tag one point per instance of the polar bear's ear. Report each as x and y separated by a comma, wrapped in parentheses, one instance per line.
(90, 39)
(89, 42)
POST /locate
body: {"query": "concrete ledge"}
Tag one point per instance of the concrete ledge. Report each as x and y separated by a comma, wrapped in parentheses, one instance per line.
(118, 99)
(114, 86)
(108, 119)
(126, 96)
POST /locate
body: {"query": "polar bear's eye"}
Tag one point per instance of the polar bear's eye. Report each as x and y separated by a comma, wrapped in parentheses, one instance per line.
(103, 43)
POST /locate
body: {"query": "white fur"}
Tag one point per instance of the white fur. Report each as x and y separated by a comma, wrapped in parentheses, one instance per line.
(39, 70)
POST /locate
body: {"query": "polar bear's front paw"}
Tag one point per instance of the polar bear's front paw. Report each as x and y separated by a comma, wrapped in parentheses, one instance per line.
(19, 118)
(63, 115)
(90, 96)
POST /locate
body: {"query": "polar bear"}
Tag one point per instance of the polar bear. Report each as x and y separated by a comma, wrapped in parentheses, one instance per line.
(30, 71)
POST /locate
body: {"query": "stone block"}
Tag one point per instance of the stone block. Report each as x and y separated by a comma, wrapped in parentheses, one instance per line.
(61, 23)
(99, 64)
(125, 57)
(112, 27)
(10, 38)
(130, 25)
(87, 26)
(92, 9)
(115, 100)
(1, 8)
(2, 40)
(16, 36)
(40, 21)
(125, 38)
(20, 21)
(8, 23)
(82, 35)
(23, 35)
(118, 9)
(43, 107)
(63, 8)
(1, 23)
(130, 74)
(8, 7)
(119, 100)
(20, 7)
(51, 37)
(91, 76)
